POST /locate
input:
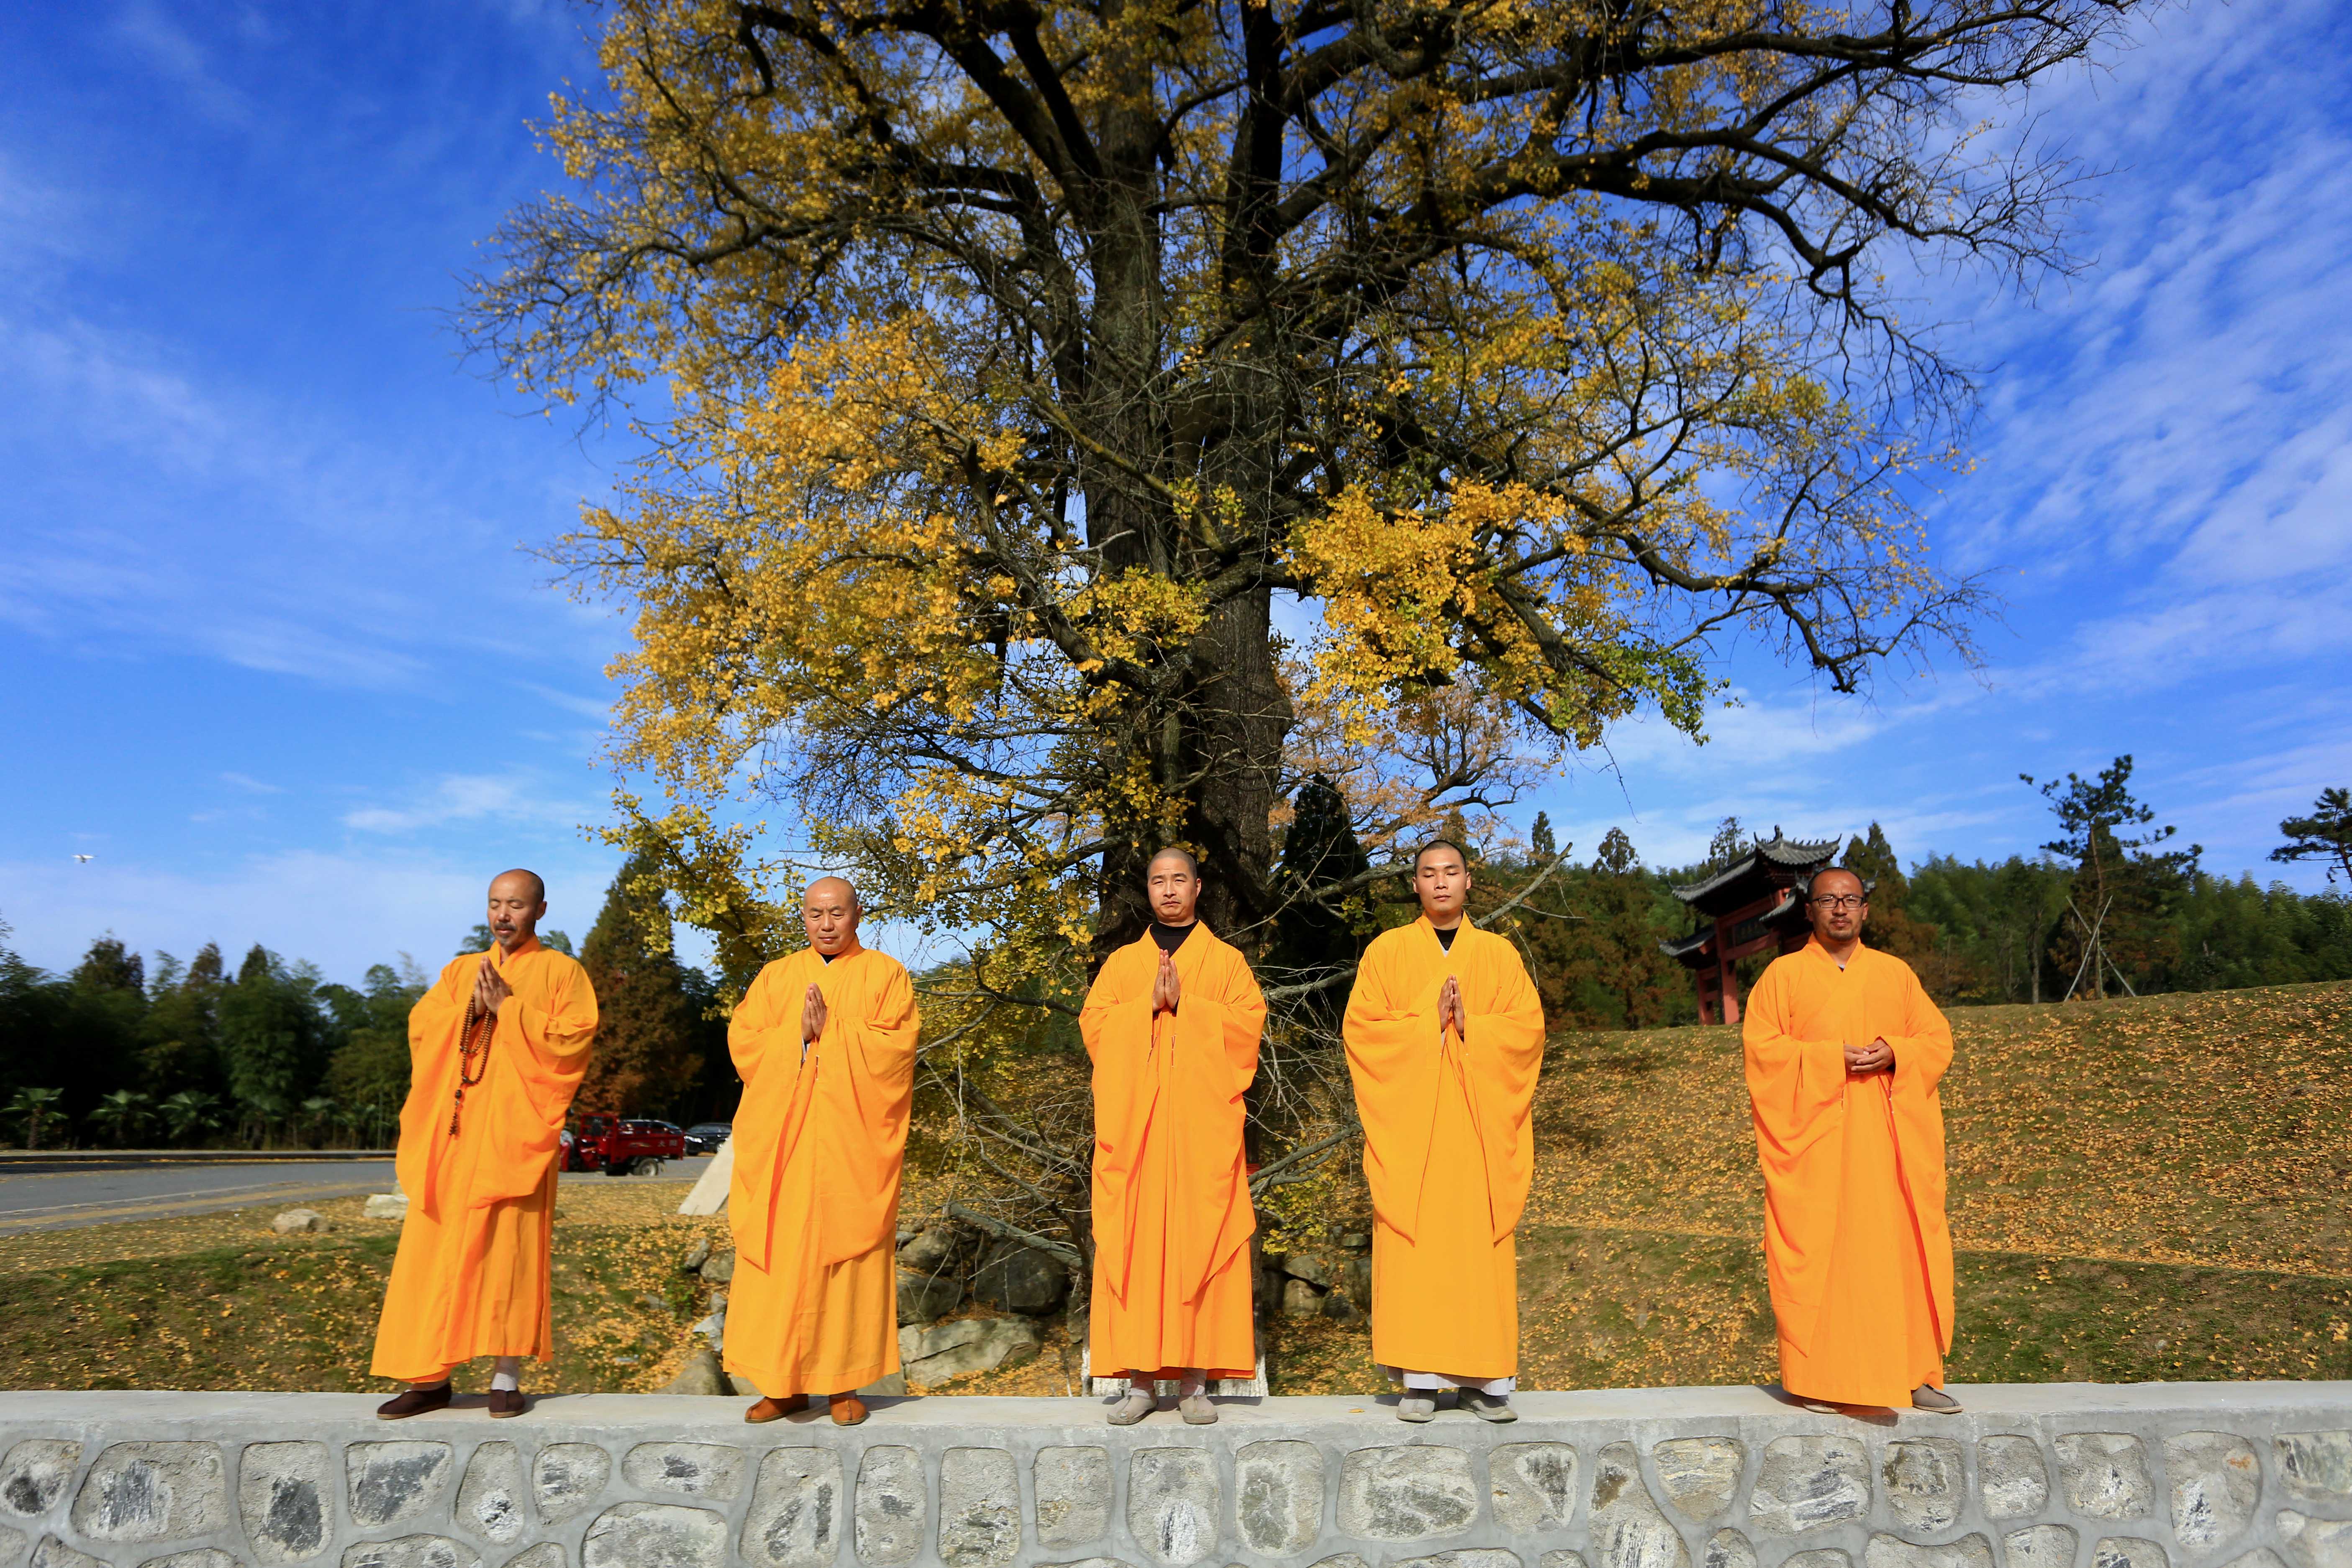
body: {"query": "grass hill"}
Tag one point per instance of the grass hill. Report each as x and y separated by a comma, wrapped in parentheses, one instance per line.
(2151, 1189)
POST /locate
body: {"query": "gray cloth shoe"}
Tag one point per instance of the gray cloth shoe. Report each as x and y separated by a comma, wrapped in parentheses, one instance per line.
(1488, 1406)
(1927, 1396)
(1197, 1411)
(1416, 1407)
(1133, 1407)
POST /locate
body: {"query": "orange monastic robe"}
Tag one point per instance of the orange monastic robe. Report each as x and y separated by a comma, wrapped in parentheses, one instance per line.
(471, 1275)
(1171, 1204)
(1855, 1245)
(1448, 1152)
(819, 1141)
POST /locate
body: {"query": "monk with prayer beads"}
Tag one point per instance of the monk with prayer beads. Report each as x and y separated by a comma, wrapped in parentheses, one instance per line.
(1444, 1038)
(825, 1040)
(1172, 1024)
(496, 1048)
(1844, 1057)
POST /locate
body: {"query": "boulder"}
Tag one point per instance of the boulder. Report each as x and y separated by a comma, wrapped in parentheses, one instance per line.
(1311, 1267)
(701, 1375)
(386, 1205)
(930, 1250)
(695, 1255)
(299, 1222)
(966, 1346)
(1301, 1300)
(927, 1298)
(719, 1266)
(1017, 1278)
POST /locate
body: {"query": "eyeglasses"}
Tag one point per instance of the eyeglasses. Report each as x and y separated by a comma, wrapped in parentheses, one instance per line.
(1842, 900)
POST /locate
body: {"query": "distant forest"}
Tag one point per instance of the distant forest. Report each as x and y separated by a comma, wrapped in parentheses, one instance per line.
(119, 1054)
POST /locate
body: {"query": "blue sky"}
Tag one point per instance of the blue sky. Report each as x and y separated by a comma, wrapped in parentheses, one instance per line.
(275, 655)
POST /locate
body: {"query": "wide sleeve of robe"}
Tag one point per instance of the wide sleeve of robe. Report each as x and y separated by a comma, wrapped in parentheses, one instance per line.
(1391, 1036)
(1502, 1055)
(763, 1038)
(864, 1067)
(1796, 1092)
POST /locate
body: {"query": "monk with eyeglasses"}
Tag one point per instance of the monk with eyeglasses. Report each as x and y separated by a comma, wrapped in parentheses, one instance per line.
(1844, 1054)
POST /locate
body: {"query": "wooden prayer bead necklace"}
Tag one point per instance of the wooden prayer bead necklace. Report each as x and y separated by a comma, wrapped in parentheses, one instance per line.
(466, 1063)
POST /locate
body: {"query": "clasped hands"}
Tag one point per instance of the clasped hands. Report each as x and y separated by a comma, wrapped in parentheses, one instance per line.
(1451, 1013)
(812, 1016)
(1167, 990)
(491, 988)
(1875, 1057)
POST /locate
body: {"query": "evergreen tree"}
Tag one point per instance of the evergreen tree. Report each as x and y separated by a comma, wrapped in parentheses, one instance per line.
(1892, 928)
(179, 1040)
(647, 1059)
(1541, 840)
(1616, 961)
(368, 1075)
(109, 966)
(2324, 835)
(1729, 843)
(1317, 941)
(2123, 883)
(274, 1040)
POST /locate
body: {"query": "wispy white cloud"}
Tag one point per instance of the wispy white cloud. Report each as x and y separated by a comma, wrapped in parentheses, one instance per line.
(251, 784)
(168, 49)
(470, 797)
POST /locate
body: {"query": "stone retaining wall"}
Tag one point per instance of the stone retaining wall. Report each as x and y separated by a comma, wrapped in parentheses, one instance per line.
(2060, 1476)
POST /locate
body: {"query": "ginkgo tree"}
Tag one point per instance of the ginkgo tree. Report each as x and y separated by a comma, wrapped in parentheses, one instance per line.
(1065, 416)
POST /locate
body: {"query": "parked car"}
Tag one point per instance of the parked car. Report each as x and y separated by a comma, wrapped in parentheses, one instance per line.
(704, 1137)
(617, 1145)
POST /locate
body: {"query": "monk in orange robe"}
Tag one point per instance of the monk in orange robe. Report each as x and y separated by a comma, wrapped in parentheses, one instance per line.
(1844, 1054)
(495, 1050)
(1172, 1025)
(824, 1041)
(1444, 1039)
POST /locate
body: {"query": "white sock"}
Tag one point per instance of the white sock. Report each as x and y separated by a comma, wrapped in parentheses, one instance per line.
(502, 1374)
(1189, 1385)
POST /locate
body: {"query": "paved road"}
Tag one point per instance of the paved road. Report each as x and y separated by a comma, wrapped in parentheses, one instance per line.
(60, 1198)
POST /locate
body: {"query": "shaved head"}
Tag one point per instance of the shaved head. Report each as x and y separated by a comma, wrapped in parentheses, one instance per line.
(1172, 853)
(518, 899)
(829, 912)
(531, 879)
(1172, 885)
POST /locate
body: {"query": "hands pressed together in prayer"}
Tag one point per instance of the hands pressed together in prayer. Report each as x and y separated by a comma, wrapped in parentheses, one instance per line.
(491, 988)
(1875, 1057)
(1451, 1015)
(812, 1016)
(1167, 990)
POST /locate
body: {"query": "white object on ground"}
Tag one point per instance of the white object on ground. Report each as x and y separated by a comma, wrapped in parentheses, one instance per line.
(710, 1194)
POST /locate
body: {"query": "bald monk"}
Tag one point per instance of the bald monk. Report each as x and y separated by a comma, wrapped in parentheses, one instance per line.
(1172, 1025)
(1844, 1053)
(1444, 1039)
(495, 1050)
(824, 1041)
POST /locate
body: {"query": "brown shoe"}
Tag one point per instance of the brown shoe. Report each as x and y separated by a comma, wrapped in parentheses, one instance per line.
(415, 1401)
(848, 1410)
(508, 1401)
(1927, 1396)
(776, 1409)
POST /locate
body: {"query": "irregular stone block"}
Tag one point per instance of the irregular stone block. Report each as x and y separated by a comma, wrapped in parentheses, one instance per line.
(2011, 1478)
(202, 1557)
(546, 1554)
(2126, 1551)
(1893, 1552)
(1818, 1557)
(2041, 1546)
(491, 1495)
(1700, 1475)
(1073, 1495)
(967, 1345)
(1533, 1485)
(2261, 1557)
(1628, 1530)
(655, 1535)
(300, 1222)
(12, 1547)
(2105, 1475)
(567, 1477)
(1469, 1557)
(980, 1507)
(698, 1469)
(1014, 1276)
(1343, 1559)
(1277, 1497)
(1560, 1560)
(55, 1554)
(1727, 1548)
(392, 1481)
(1171, 1503)
(1809, 1483)
(892, 1509)
(927, 1298)
(411, 1551)
(795, 1515)
(1923, 1482)
(153, 1491)
(2215, 1479)
(37, 1472)
(283, 1491)
(2316, 1465)
(1406, 1493)
(2315, 1543)
(1115, 1562)
(385, 1206)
